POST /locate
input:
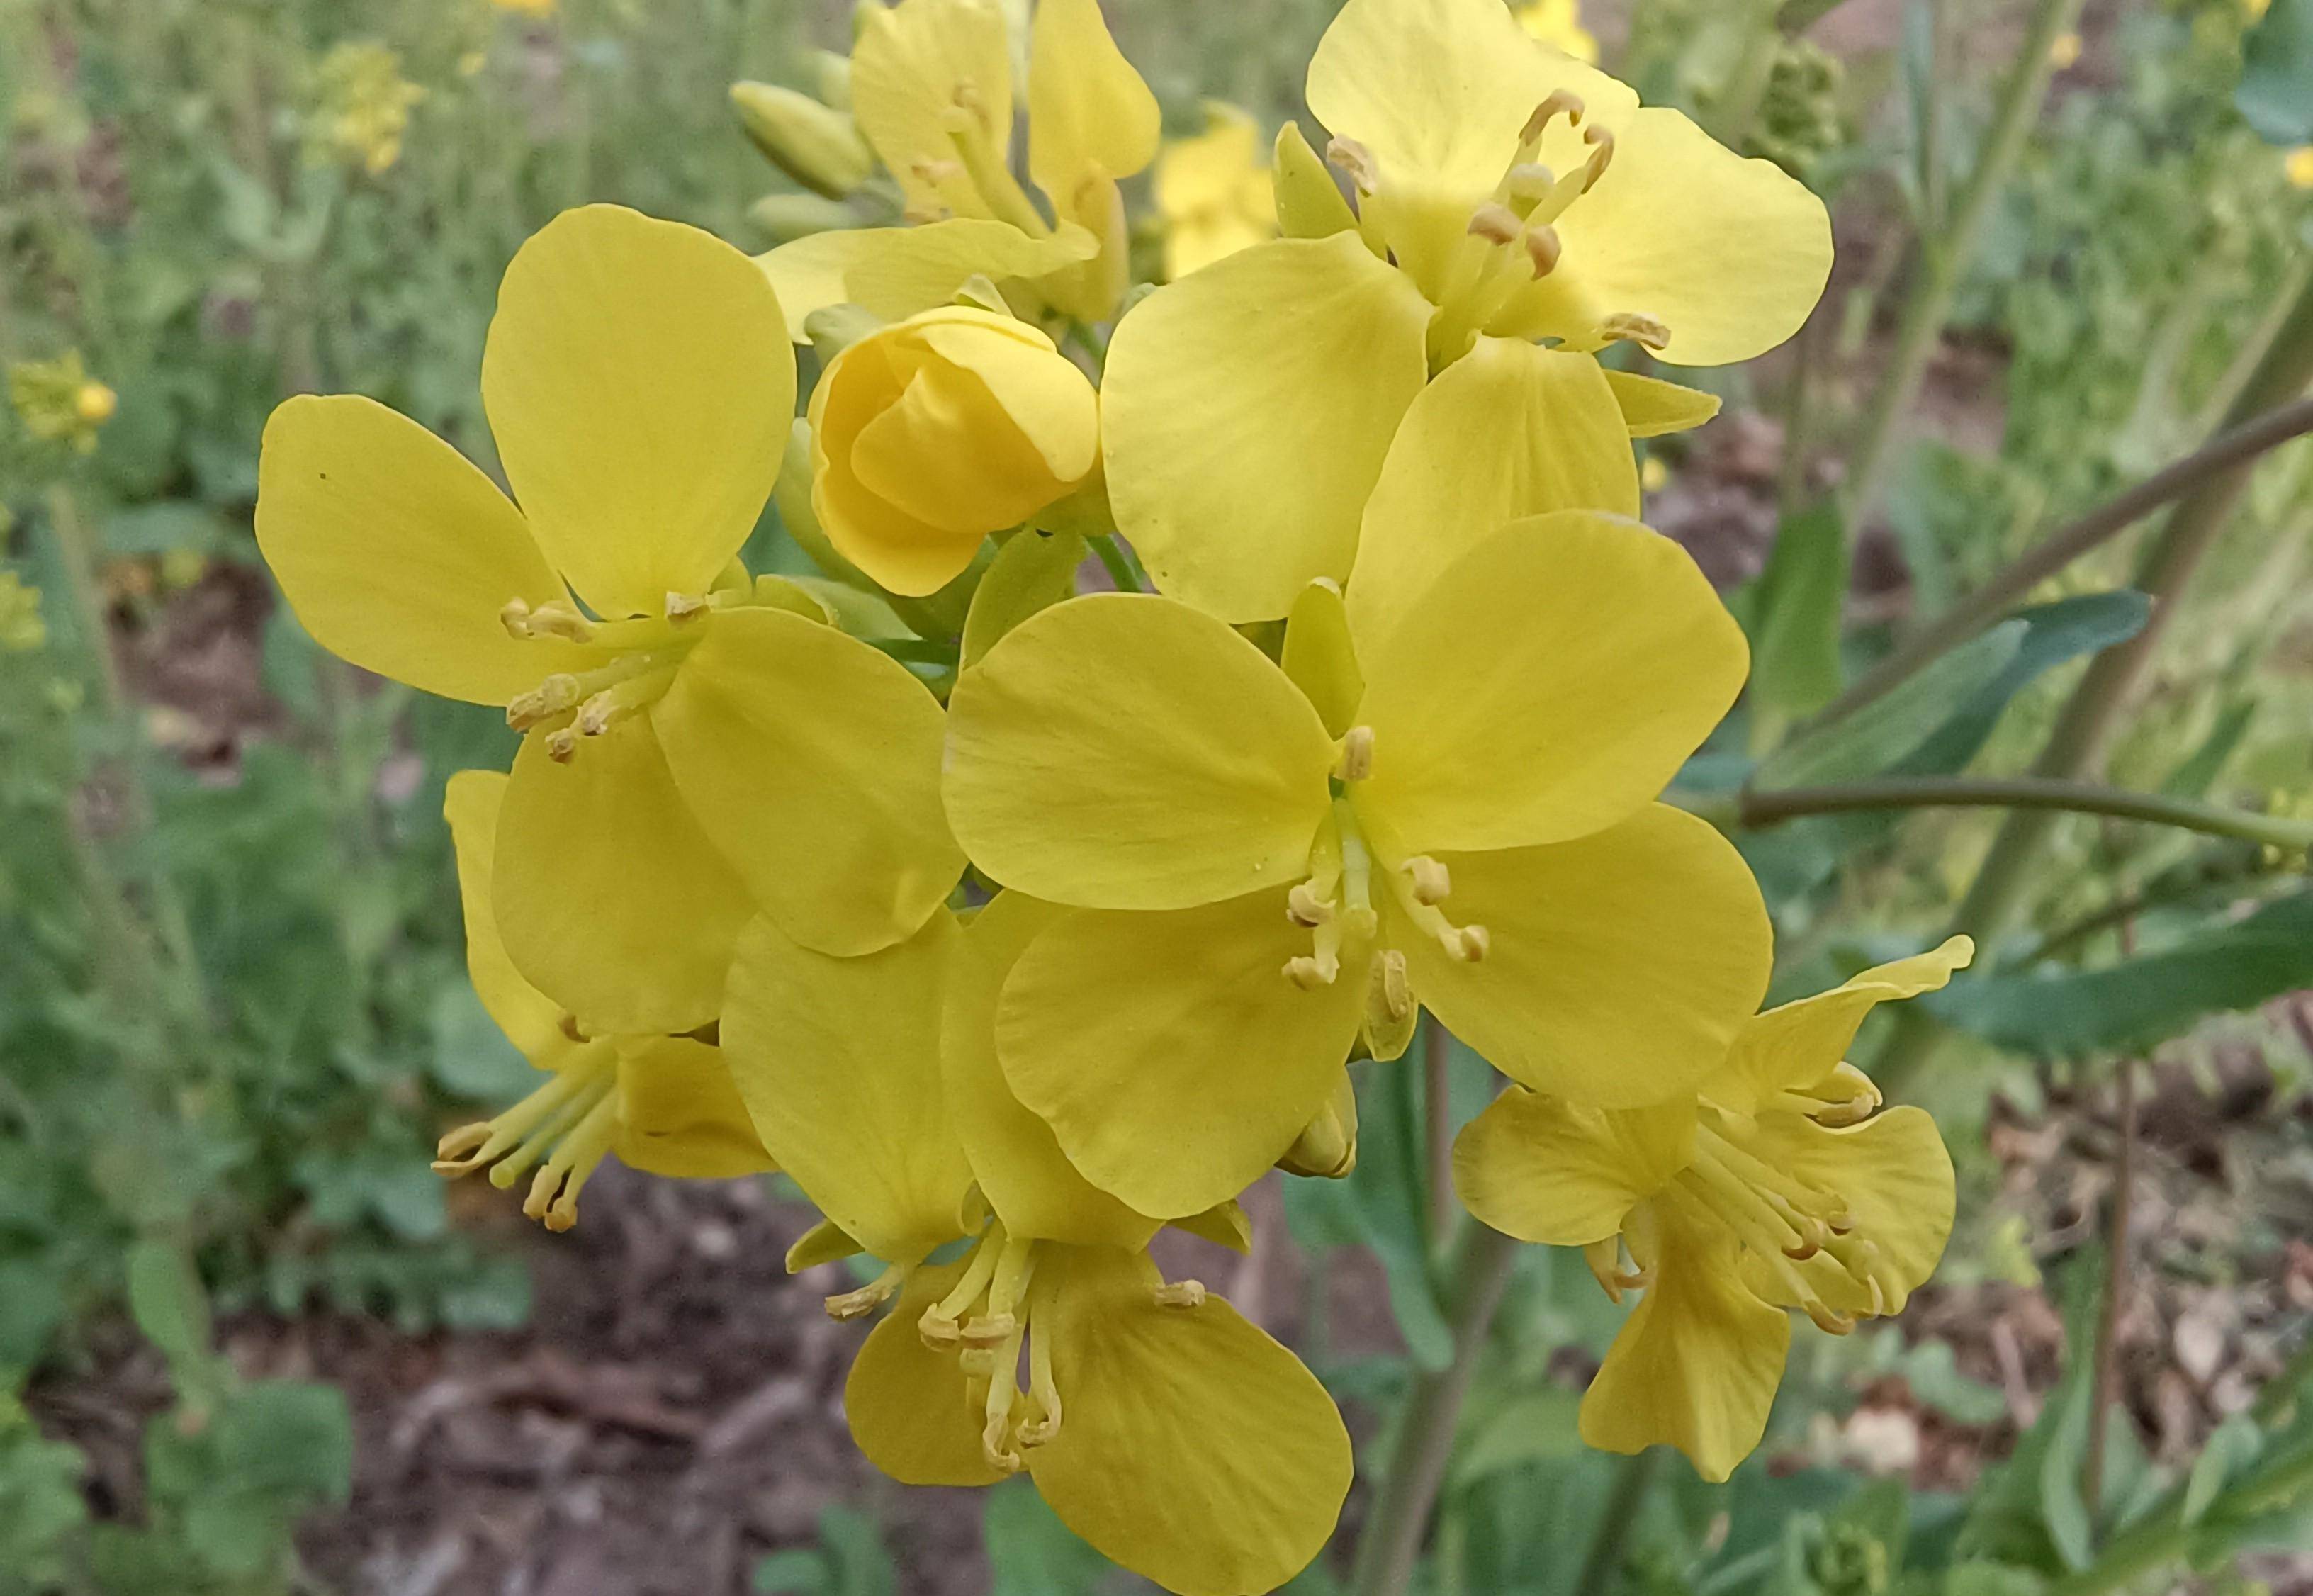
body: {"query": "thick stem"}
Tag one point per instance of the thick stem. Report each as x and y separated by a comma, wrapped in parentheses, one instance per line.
(2036, 794)
(1438, 1135)
(1481, 1269)
(1944, 259)
(1602, 1565)
(1928, 643)
(2105, 692)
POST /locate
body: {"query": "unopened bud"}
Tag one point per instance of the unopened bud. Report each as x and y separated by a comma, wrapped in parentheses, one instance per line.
(785, 217)
(1327, 1146)
(819, 147)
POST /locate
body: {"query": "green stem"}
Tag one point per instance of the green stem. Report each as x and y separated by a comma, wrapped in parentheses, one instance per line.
(1602, 1565)
(1438, 1129)
(1943, 260)
(1479, 1270)
(1754, 71)
(1752, 810)
(1116, 562)
(2105, 692)
(1963, 620)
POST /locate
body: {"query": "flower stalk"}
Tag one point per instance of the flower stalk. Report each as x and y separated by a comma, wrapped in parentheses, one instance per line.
(2032, 794)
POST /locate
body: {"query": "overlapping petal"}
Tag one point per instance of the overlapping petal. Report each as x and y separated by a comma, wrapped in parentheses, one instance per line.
(639, 384)
(398, 554)
(895, 272)
(1245, 412)
(914, 64)
(532, 1020)
(1562, 1174)
(1169, 1053)
(1621, 965)
(680, 1114)
(1896, 1176)
(1549, 683)
(1089, 113)
(812, 762)
(909, 1406)
(1796, 1046)
(1195, 772)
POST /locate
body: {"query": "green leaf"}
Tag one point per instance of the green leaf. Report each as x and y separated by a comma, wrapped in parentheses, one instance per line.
(1030, 1552)
(166, 1300)
(1530, 1426)
(2054, 634)
(239, 1534)
(471, 1057)
(1795, 611)
(2142, 1000)
(2201, 767)
(1880, 735)
(2231, 1447)
(1033, 571)
(796, 1570)
(290, 1440)
(2276, 85)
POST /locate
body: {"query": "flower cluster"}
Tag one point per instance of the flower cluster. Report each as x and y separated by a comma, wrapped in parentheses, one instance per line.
(1016, 923)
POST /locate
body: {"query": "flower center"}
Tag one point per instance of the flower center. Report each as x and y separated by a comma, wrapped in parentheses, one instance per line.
(644, 652)
(570, 1121)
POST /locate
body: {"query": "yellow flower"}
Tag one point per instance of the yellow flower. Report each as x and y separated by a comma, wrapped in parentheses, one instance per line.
(1776, 1186)
(1213, 192)
(365, 108)
(57, 400)
(664, 1105)
(1178, 1439)
(698, 745)
(22, 628)
(1504, 190)
(929, 434)
(529, 8)
(2299, 165)
(1441, 799)
(931, 91)
(1559, 24)
(2063, 50)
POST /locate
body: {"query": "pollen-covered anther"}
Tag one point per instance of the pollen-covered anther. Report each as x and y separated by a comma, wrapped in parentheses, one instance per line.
(557, 695)
(1601, 141)
(1560, 103)
(862, 1300)
(1396, 992)
(1828, 1321)
(1471, 943)
(555, 618)
(937, 172)
(1631, 327)
(1180, 1293)
(1496, 223)
(990, 1330)
(1304, 907)
(1528, 184)
(1356, 762)
(1543, 249)
(453, 1154)
(1356, 162)
(1814, 1236)
(1307, 973)
(515, 616)
(682, 607)
(937, 1331)
(1432, 882)
(562, 746)
(568, 1026)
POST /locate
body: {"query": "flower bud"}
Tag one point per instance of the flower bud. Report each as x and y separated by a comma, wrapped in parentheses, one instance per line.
(931, 433)
(820, 148)
(1327, 1147)
(785, 217)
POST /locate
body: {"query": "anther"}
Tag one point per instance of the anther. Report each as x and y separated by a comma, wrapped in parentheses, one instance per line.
(552, 697)
(1356, 754)
(1560, 103)
(1527, 185)
(1304, 907)
(515, 616)
(1814, 1236)
(1496, 223)
(1432, 883)
(1180, 1293)
(1602, 154)
(989, 1330)
(561, 745)
(861, 1302)
(556, 619)
(936, 173)
(685, 606)
(1396, 992)
(1544, 249)
(1472, 943)
(1836, 1324)
(1634, 328)
(1356, 162)
(568, 1026)
(1307, 973)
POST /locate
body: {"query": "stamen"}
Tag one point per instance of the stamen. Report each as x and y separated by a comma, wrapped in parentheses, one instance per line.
(1544, 249)
(1180, 1293)
(1526, 185)
(622, 701)
(1304, 907)
(554, 1195)
(939, 1325)
(1468, 943)
(1356, 162)
(862, 1300)
(561, 745)
(569, 1094)
(1307, 973)
(568, 1026)
(1356, 763)
(1432, 883)
(1632, 327)
(1496, 223)
(557, 695)
(1560, 103)
(555, 618)
(515, 616)
(1393, 994)
(681, 607)
(1602, 154)
(996, 1437)
(1044, 1392)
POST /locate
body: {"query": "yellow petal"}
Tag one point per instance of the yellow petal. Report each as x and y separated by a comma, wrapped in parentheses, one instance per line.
(680, 1115)
(1089, 113)
(1793, 1047)
(1214, 196)
(1439, 90)
(1696, 1365)
(532, 1020)
(639, 384)
(1652, 407)
(1549, 683)
(1560, 1174)
(1309, 205)
(894, 272)
(812, 761)
(907, 555)
(1509, 430)
(1246, 411)
(1192, 1448)
(1897, 1178)
(1129, 1033)
(1043, 395)
(1730, 254)
(1196, 773)
(397, 554)
(1026, 1178)
(911, 1410)
(838, 1061)
(1619, 966)
(914, 64)
(610, 897)
(1320, 659)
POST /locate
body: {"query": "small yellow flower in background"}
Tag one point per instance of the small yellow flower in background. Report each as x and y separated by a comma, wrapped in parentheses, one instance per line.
(664, 1105)
(2063, 51)
(365, 106)
(1776, 1186)
(2254, 10)
(22, 629)
(1213, 192)
(58, 402)
(1177, 1438)
(472, 63)
(931, 89)
(1654, 476)
(699, 743)
(1504, 191)
(2298, 165)
(1559, 24)
(529, 8)
(932, 433)
(1442, 800)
